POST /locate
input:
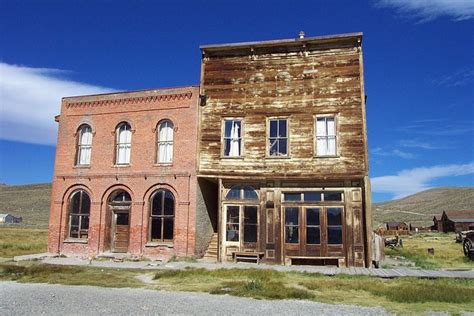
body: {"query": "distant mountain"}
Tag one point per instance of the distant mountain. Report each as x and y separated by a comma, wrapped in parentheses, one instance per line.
(31, 202)
(421, 207)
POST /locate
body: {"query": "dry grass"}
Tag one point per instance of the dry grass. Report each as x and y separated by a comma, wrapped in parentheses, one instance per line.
(448, 254)
(70, 275)
(22, 241)
(31, 202)
(403, 295)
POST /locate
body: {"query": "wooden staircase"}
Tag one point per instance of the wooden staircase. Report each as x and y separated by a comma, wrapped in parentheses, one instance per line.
(212, 250)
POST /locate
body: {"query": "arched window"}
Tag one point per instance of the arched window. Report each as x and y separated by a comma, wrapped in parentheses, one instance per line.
(124, 143)
(79, 210)
(162, 216)
(120, 196)
(84, 145)
(165, 142)
(238, 192)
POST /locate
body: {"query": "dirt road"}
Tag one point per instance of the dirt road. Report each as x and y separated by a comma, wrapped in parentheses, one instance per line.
(52, 299)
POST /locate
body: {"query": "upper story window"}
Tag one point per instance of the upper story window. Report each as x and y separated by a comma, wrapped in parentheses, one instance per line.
(326, 136)
(124, 143)
(232, 138)
(278, 138)
(165, 142)
(84, 145)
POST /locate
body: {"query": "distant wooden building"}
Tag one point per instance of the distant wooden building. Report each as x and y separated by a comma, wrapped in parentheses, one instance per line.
(414, 227)
(454, 221)
(397, 228)
(9, 219)
(283, 150)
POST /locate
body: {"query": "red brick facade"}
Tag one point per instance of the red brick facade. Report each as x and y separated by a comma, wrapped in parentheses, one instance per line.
(140, 178)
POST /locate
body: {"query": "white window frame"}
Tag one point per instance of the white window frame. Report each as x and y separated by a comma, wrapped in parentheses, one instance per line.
(123, 146)
(277, 138)
(324, 139)
(84, 146)
(232, 138)
(166, 143)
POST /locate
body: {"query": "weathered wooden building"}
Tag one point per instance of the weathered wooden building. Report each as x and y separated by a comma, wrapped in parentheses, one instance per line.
(397, 228)
(283, 166)
(454, 221)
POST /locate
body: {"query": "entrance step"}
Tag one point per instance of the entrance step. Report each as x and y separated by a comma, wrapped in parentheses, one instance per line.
(115, 256)
(212, 249)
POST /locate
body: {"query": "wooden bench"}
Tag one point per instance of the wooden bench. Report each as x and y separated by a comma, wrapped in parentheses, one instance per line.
(248, 256)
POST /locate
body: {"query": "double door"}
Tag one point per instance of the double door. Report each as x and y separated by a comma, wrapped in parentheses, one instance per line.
(241, 227)
(313, 231)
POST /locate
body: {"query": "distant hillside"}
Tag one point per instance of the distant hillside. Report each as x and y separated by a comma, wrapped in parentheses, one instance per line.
(31, 202)
(422, 206)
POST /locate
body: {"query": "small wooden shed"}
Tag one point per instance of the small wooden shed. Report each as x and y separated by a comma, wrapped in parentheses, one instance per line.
(9, 219)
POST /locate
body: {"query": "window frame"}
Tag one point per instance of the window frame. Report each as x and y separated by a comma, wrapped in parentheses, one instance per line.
(79, 215)
(288, 145)
(241, 188)
(240, 207)
(158, 142)
(315, 135)
(162, 216)
(80, 146)
(341, 225)
(117, 144)
(320, 210)
(242, 138)
(298, 226)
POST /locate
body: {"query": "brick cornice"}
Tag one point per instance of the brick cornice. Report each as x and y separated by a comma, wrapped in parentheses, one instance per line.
(123, 175)
(130, 100)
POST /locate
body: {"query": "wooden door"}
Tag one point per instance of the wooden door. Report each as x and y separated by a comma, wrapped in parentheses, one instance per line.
(121, 231)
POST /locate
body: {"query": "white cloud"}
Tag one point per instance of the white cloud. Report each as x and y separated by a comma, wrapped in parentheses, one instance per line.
(427, 10)
(411, 181)
(29, 100)
(392, 153)
(410, 143)
(459, 78)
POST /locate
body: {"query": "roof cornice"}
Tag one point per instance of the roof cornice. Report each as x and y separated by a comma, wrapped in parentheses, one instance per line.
(117, 99)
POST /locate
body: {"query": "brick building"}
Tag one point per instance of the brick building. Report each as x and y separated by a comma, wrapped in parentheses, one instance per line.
(125, 174)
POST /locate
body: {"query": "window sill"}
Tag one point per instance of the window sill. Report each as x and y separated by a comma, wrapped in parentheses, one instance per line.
(329, 156)
(82, 167)
(75, 241)
(163, 164)
(159, 244)
(233, 158)
(121, 166)
(277, 157)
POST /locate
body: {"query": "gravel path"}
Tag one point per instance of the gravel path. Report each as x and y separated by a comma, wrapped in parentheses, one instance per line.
(383, 273)
(52, 299)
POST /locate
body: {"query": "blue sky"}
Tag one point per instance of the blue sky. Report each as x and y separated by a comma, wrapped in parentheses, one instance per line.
(418, 55)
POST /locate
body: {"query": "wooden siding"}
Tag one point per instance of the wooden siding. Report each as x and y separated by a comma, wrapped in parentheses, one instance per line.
(297, 85)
